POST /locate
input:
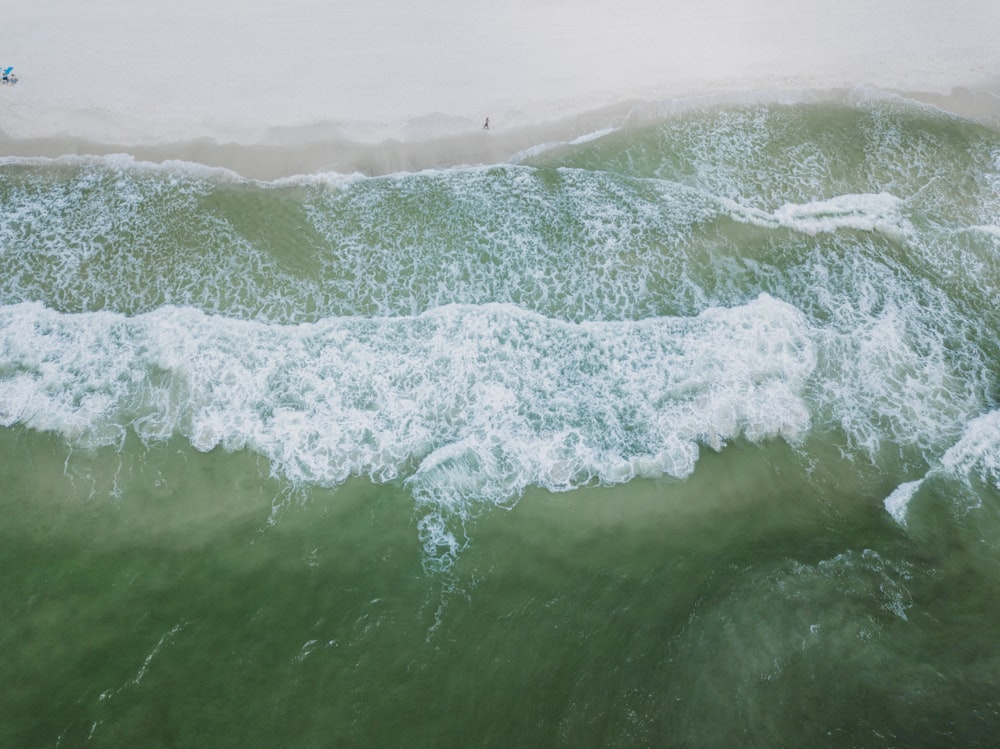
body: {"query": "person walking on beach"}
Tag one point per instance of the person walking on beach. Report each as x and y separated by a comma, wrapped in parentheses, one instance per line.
(486, 125)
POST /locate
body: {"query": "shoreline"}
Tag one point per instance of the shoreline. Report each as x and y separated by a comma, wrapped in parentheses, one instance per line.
(284, 152)
(313, 149)
(378, 87)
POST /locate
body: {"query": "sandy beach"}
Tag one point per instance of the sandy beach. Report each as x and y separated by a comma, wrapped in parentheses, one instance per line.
(320, 83)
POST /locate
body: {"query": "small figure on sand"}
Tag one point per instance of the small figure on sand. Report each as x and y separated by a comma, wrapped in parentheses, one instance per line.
(486, 125)
(9, 77)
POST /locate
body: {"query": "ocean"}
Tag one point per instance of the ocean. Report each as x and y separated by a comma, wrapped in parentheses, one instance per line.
(685, 433)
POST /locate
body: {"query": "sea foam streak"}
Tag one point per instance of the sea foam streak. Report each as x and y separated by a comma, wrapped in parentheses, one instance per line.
(977, 453)
(879, 212)
(467, 404)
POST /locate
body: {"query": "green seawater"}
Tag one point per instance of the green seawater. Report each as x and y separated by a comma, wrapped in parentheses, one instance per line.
(684, 435)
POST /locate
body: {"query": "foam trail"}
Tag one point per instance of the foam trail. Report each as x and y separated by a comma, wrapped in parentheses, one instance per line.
(896, 504)
(541, 148)
(879, 212)
(977, 453)
(468, 404)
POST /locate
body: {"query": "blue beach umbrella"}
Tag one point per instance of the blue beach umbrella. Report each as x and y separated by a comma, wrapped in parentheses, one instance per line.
(8, 70)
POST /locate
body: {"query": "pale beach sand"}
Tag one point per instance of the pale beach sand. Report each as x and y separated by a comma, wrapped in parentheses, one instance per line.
(377, 86)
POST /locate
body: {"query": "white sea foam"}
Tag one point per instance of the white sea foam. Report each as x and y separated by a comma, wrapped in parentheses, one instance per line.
(872, 212)
(988, 229)
(541, 148)
(897, 503)
(469, 405)
(976, 453)
(125, 162)
(978, 450)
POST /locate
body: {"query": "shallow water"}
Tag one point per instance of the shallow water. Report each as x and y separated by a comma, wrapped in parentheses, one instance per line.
(685, 434)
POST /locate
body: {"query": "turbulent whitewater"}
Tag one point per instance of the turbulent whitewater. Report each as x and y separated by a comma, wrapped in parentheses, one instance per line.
(812, 284)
